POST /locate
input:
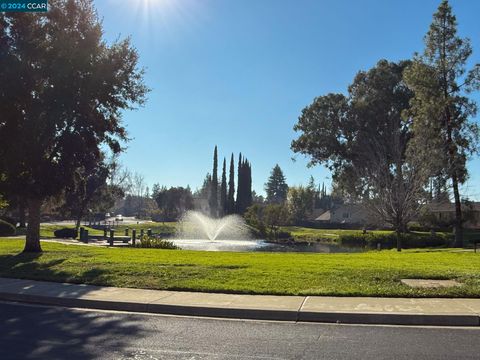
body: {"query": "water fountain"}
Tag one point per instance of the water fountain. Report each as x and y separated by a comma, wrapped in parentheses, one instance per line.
(197, 231)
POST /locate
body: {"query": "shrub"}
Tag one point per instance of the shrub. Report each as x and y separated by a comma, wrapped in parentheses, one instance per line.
(154, 243)
(430, 240)
(353, 240)
(6, 229)
(66, 233)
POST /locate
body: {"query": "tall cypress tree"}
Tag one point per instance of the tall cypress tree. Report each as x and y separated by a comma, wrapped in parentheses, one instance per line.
(248, 185)
(223, 190)
(244, 187)
(213, 200)
(239, 202)
(231, 188)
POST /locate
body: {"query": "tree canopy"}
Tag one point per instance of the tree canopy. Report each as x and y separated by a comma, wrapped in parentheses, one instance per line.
(362, 138)
(62, 93)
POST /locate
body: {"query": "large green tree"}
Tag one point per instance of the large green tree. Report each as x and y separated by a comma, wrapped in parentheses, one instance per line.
(444, 134)
(62, 93)
(362, 138)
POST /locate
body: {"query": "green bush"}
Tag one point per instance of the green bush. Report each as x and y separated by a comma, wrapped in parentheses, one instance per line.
(154, 243)
(409, 240)
(6, 229)
(353, 240)
(65, 233)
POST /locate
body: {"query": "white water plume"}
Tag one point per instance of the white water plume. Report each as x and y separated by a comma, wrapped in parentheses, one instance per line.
(195, 225)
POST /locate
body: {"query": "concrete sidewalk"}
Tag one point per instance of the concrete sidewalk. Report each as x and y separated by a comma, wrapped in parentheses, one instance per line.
(397, 311)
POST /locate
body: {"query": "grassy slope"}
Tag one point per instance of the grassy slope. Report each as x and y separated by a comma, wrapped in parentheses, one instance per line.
(360, 274)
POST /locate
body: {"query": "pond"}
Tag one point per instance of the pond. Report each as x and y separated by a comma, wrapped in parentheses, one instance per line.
(260, 246)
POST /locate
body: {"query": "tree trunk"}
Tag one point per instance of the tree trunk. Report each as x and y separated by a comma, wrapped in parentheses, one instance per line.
(32, 244)
(78, 222)
(21, 213)
(458, 213)
(454, 175)
(400, 233)
(80, 213)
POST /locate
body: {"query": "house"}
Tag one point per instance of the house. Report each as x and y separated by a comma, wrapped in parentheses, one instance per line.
(349, 214)
(444, 212)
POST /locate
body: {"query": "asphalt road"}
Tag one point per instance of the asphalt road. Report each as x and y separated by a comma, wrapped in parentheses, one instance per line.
(36, 332)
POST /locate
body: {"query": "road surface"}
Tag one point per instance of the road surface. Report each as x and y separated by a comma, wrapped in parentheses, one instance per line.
(40, 332)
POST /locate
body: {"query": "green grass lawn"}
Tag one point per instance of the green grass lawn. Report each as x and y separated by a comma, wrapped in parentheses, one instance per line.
(357, 274)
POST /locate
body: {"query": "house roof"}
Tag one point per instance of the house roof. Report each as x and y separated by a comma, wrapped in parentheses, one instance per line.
(450, 207)
(326, 216)
(316, 213)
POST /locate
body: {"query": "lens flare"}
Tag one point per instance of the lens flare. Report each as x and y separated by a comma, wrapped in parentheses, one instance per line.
(166, 16)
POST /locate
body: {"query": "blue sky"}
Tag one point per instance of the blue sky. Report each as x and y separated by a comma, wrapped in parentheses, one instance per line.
(238, 73)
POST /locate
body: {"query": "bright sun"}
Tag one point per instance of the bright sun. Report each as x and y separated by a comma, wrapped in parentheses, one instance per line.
(151, 15)
(150, 3)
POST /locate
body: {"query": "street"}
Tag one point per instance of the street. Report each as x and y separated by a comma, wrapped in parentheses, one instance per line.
(40, 332)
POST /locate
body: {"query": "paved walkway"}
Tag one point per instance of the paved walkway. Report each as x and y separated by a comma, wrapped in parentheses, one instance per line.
(401, 311)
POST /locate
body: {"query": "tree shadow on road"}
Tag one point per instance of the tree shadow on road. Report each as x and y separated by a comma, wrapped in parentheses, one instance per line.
(37, 332)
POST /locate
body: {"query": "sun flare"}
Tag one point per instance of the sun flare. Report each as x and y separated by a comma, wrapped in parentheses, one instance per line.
(160, 17)
(150, 9)
(151, 2)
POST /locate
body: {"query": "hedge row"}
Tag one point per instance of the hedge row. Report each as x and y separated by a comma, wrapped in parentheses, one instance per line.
(409, 240)
(65, 233)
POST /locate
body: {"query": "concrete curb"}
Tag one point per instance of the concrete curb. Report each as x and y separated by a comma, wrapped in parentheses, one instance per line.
(392, 319)
(167, 309)
(433, 312)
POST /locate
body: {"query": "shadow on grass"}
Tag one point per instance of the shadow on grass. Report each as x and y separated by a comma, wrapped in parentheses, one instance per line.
(37, 332)
(28, 266)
